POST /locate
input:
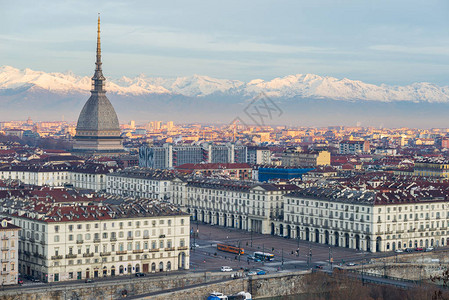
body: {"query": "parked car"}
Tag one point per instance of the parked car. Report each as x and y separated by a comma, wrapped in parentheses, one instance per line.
(140, 274)
(261, 272)
(318, 266)
(20, 281)
(419, 249)
(250, 273)
(255, 259)
(409, 250)
(398, 251)
(351, 264)
(428, 249)
(88, 280)
(226, 269)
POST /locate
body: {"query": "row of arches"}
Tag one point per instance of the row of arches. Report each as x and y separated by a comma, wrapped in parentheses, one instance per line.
(427, 242)
(332, 238)
(223, 219)
(353, 240)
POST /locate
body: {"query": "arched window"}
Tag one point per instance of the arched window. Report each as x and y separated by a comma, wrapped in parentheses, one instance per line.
(168, 266)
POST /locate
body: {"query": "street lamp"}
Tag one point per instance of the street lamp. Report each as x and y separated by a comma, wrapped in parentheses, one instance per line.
(251, 237)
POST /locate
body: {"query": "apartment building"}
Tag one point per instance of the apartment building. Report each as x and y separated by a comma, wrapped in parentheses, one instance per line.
(231, 203)
(140, 182)
(90, 176)
(61, 241)
(354, 147)
(172, 155)
(299, 158)
(432, 167)
(51, 175)
(367, 220)
(9, 236)
(258, 155)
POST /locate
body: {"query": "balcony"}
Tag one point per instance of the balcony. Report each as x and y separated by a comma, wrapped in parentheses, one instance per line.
(121, 252)
(54, 257)
(42, 242)
(169, 249)
(183, 248)
(129, 238)
(146, 237)
(70, 256)
(96, 240)
(105, 253)
(88, 254)
(5, 272)
(3, 260)
(79, 241)
(138, 251)
(113, 239)
(154, 250)
(4, 237)
(5, 248)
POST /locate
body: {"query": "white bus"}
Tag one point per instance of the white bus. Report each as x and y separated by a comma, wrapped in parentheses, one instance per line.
(264, 256)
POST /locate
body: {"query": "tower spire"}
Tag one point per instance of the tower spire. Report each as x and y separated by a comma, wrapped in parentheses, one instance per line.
(98, 78)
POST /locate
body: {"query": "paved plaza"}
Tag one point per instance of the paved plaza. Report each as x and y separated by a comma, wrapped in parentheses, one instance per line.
(206, 257)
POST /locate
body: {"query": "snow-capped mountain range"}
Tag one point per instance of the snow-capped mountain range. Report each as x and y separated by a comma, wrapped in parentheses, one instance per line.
(292, 86)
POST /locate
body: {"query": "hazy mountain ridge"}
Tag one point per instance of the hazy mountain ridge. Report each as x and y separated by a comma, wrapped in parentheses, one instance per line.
(13, 80)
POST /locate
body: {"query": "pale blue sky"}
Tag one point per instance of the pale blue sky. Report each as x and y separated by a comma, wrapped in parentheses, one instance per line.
(392, 42)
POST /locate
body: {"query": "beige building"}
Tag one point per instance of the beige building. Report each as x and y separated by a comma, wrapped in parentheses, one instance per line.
(365, 220)
(298, 158)
(231, 203)
(61, 241)
(9, 246)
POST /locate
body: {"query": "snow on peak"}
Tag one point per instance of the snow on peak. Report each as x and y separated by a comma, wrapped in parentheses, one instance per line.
(298, 85)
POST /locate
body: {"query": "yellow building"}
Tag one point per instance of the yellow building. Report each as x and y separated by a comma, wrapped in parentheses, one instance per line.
(297, 157)
(432, 167)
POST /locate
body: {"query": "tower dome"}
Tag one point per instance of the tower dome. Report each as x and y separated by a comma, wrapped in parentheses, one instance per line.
(98, 129)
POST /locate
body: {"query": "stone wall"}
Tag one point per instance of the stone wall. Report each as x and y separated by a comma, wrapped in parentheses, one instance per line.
(402, 270)
(279, 284)
(259, 286)
(110, 289)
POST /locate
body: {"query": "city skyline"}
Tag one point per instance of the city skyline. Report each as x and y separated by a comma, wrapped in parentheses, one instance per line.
(393, 43)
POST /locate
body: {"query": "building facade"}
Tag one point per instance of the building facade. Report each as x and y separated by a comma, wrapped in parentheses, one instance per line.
(354, 147)
(65, 242)
(231, 203)
(169, 156)
(9, 236)
(258, 156)
(365, 220)
(140, 182)
(299, 158)
(52, 175)
(432, 167)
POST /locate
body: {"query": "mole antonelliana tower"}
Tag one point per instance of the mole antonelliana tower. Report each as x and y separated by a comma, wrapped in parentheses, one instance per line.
(98, 129)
